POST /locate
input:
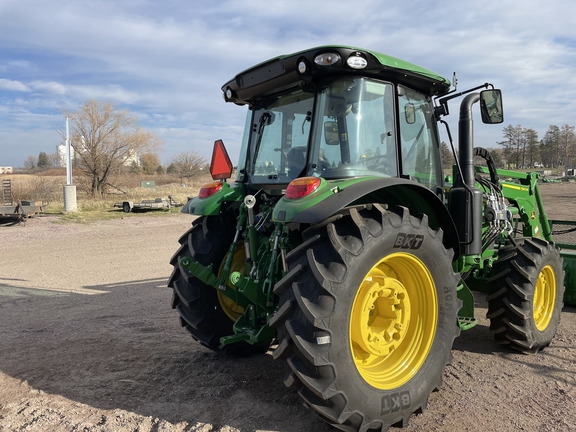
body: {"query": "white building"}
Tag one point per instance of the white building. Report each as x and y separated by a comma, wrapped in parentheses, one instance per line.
(61, 152)
(132, 158)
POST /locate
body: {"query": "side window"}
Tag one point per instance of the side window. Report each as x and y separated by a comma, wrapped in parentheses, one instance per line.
(240, 172)
(268, 160)
(418, 145)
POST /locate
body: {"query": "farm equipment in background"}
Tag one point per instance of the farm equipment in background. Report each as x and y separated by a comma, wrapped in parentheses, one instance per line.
(155, 204)
(16, 209)
(339, 243)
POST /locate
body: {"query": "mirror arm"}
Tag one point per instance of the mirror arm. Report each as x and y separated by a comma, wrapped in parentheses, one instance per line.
(442, 109)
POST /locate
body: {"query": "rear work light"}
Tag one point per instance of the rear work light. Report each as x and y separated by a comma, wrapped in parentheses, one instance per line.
(357, 62)
(301, 187)
(210, 189)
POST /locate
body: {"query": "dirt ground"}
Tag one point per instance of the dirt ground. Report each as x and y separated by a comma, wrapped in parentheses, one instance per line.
(88, 342)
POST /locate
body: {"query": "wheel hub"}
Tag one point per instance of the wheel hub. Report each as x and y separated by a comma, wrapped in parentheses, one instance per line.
(385, 315)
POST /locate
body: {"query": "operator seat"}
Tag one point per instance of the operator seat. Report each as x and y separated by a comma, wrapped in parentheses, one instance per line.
(295, 161)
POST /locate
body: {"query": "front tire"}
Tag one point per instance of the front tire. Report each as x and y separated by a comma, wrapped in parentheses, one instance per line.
(367, 317)
(526, 294)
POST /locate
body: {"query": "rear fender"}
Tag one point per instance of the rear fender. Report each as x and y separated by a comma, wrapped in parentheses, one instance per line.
(211, 205)
(390, 191)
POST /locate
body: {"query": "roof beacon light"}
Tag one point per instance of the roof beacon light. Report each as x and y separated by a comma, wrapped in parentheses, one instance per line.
(327, 59)
(357, 62)
(301, 187)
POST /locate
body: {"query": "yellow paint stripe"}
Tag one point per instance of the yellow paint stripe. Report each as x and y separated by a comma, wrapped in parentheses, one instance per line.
(515, 187)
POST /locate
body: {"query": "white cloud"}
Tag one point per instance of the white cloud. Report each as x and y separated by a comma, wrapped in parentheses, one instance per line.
(49, 87)
(112, 92)
(166, 61)
(7, 84)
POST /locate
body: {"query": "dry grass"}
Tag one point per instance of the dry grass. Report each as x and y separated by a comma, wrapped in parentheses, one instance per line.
(46, 188)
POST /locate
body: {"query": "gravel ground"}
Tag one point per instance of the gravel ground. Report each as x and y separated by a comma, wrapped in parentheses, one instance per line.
(88, 342)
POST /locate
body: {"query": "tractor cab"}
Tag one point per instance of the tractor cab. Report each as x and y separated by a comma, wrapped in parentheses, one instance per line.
(337, 113)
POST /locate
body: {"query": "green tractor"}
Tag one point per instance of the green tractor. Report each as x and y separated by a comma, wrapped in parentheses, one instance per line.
(341, 246)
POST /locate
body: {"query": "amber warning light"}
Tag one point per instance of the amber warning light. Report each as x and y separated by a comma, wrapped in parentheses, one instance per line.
(220, 167)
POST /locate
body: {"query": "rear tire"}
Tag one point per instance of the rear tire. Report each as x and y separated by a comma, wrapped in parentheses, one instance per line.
(526, 294)
(367, 317)
(205, 314)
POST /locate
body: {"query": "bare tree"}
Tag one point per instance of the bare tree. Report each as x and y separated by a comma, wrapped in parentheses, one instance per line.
(150, 162)
(105, 140)
(30, 162)
(54, 159)
(187, 165)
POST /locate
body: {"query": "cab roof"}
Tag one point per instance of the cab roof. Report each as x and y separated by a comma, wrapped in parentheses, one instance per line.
(300, 69)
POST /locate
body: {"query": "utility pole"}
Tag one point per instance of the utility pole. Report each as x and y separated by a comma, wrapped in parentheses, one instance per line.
(69, 189)
(68, 156)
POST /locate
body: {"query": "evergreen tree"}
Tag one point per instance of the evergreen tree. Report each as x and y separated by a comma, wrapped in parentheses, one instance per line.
(171, 168)
(550, 147)
(43, 161)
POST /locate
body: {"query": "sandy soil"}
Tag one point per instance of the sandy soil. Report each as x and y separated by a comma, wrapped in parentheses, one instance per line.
(88, 342)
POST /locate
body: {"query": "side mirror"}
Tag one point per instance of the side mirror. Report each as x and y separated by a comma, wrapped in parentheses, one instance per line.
(331, 135)
(491, 106)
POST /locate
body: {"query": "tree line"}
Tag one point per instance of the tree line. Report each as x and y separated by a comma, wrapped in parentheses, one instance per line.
(523, 149)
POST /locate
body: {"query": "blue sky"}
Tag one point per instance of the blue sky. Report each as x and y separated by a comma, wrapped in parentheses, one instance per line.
(166, 61)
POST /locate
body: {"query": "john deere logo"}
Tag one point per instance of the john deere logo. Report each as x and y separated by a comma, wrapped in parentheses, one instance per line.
(408, 241)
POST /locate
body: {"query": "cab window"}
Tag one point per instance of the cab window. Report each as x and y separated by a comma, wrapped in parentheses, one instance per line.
(418, 143)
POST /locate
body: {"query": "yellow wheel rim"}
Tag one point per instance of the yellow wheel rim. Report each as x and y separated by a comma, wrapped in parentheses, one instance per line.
(393, 321)
(229, 306)
(544, 298)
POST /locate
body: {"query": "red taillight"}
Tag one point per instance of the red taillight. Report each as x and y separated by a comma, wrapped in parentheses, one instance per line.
(302, 187)
(209, 189)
